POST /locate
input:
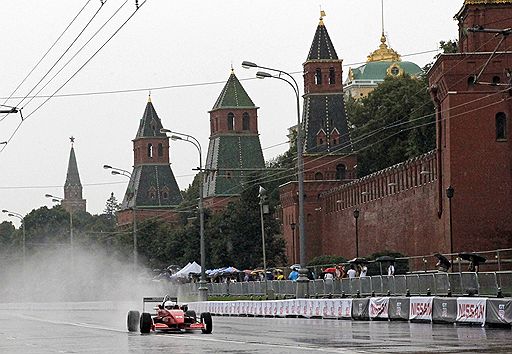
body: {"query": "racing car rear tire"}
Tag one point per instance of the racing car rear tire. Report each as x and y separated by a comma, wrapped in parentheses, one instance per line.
(206, 318)
(133, 321)
(146, 322)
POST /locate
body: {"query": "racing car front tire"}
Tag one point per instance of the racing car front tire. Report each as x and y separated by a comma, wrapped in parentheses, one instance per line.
(191, 314)
(146, 322)
(206, 318)
(133, 321)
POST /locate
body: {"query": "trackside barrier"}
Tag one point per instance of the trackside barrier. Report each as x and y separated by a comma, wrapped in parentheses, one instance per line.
(475, 310)
(440, 284)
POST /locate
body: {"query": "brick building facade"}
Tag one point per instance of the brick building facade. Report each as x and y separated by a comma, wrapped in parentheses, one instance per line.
(405, 208)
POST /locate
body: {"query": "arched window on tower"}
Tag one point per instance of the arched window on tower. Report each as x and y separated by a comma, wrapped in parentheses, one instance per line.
(150, 150)
(319, 176)
(160, 150)
(318, 76)
(245, 121)
(341, 171)
(332, 76)
(231, 121)
(501, 126)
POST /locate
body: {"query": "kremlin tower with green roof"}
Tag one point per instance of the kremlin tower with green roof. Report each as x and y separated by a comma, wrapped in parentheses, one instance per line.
(152, 190)
(234, 151)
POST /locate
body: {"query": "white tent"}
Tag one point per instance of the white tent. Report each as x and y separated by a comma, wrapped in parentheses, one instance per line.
(189, 268)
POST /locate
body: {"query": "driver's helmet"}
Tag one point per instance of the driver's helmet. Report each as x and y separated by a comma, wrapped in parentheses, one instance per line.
(169, 305)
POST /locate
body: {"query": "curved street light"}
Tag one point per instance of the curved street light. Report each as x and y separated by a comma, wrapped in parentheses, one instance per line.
(300, 161)
(60, 199)
(203, 289)
(119, 171)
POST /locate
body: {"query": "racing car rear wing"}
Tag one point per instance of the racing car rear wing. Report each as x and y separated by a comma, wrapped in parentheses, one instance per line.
(158, 300)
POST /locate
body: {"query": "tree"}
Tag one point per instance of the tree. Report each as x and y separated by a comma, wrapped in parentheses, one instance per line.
(393, 123)
(111, 207)
(234, 236)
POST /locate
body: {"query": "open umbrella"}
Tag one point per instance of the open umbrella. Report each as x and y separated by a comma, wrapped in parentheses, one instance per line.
(443, 263)
(384, 259)
(473, 257)
(295, 266)
(330, 270)
(359, 260)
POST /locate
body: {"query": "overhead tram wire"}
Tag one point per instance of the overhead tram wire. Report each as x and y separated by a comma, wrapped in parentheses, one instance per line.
(45, 54)
(167, 87)
(103, 2)
(76, 72)
(252, 183)
(78, 52)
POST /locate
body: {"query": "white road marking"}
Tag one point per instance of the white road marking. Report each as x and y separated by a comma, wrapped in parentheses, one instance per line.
(198, 338)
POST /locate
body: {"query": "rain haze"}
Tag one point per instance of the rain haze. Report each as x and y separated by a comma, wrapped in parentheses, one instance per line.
(180, 51)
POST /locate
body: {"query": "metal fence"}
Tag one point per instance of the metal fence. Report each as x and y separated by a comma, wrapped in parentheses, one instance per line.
(441, 284)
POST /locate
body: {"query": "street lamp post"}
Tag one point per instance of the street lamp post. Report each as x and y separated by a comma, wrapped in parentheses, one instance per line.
(356, 216)
(203, 289)
(19, 216)
(60, 199)
(263, 198)
(450, 191)
(300, 161)
(292, 226)
(121, 172)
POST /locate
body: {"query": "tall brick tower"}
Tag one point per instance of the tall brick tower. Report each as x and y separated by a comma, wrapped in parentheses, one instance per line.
(472, 93)
(73, 200)
(327, 139)
(152, 190)
(234, 150)
(328, 157)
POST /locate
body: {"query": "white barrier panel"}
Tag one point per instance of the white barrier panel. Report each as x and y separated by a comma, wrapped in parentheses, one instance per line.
(344, 307)
(420, 308)
(328, 309)
(471, 309)
(379, 307)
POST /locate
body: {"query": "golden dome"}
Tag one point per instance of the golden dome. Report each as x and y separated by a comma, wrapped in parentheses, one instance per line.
(384, 52)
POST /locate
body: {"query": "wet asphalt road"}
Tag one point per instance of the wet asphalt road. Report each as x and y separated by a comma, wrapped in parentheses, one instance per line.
(92, 329)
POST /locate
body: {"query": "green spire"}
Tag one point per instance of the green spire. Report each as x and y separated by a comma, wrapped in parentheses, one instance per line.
(233, 95)
(72, 177)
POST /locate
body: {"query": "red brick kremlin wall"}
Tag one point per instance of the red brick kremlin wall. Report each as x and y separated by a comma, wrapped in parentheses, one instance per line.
(397, 212)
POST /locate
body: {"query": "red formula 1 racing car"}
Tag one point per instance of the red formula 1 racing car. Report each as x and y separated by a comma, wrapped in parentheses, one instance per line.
(169, 317)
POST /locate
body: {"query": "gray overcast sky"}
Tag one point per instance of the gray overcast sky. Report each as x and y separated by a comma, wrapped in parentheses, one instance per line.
(171, 43)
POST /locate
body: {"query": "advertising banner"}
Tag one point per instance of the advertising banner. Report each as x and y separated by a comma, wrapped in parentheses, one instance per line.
(499, 311)
(378, 307)
(328, 309)
(343, 308)
(420, 308)
(471, 309)
(398, 308)
(316, 308)
(360, 309)
(445, 309)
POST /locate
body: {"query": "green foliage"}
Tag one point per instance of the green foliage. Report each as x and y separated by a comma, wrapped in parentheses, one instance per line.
(234, 235)
(450, 46)
(393, 123)
(111, 207)
(326, 260)
(7, 237)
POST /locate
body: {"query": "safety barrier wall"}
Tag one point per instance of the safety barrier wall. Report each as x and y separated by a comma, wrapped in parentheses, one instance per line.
(478, 310)
(439, 284)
